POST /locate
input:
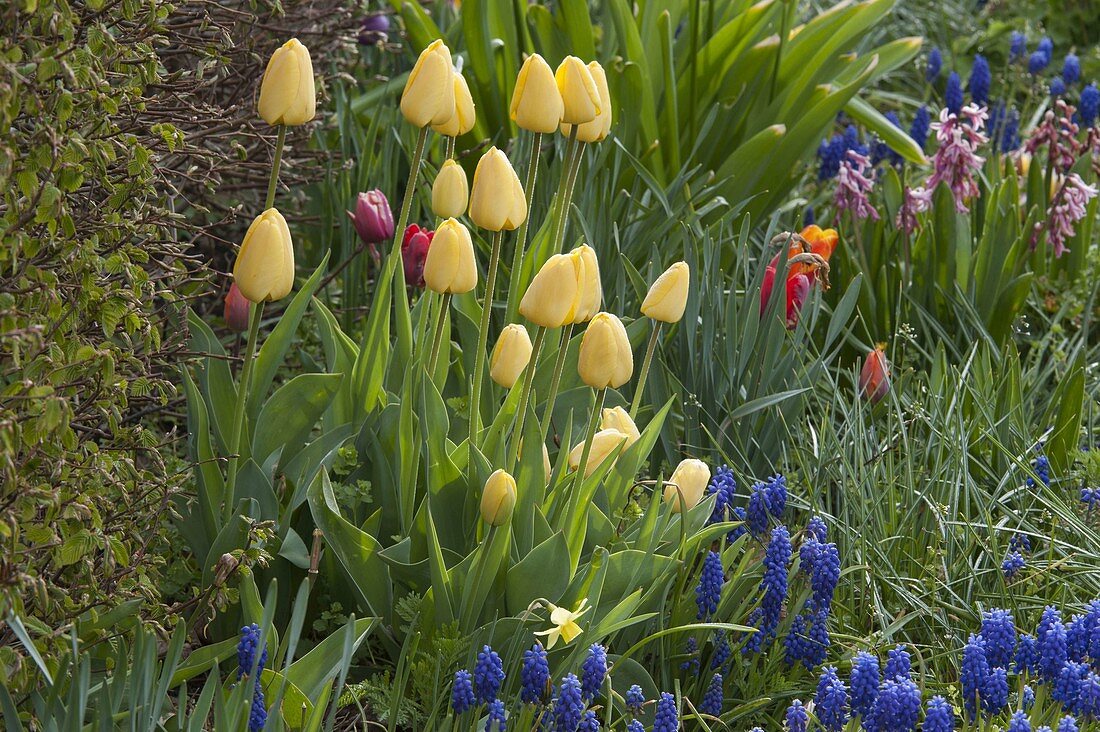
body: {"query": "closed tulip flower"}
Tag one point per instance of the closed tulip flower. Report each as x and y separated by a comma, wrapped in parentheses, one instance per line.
(372, 218)
(597, 129)
(579, 96)
(874, 379)
(619, 419)
(264, 270)
(449, 267)
(450, 193)
(536, 102)
(552, 297)
(496, 199)
(498, 498)
(462, 121)
(606, 359)
(668, 295)
(429, 95)
(287, 94)
(689, 480)
(591, 290)
(510, 355)
(236, 309)
(604, 443)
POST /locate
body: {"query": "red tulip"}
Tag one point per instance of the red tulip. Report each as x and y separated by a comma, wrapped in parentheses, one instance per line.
(874, 379)
(414, 250)
(801, 274)
(236, 309)
(372, 218)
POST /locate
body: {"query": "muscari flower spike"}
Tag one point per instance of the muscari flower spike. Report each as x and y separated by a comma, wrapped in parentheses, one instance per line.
(462, 693)
(1068, 724)
(939, 716)
(831, 701)
(898, 663)
(1057, 87)
(589, 722)
(953, 95)
(593, 672)
(1017, 46)
(1027, 655)
(864, 683)
(246, 651)
(974, 674)
(534, 675)
(1019, 722)
(999, 634)
(667, 718)
(1089, 107)
(897, 707)
(797, 718)
(257, 715)
(1071, 69)
(934, 65)
(712, 700)
(635, 699)
(1051, 641)
(980, 78)
(709, 590)
(918, 130)
(488, 675)
(1013, 563)
(495, 720)
(569, 706)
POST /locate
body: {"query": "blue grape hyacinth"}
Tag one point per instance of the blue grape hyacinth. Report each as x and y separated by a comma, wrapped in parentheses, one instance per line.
(534, 675)
(939, 716)
(1051, 641)
(999, 634)
(496, 719)
(1027, 655)
(995, 691)
(897, 708)
(1071, 69)
(709, 590)
(568, 707)
(593, 672)
(773, 585)
(1036, 62)
(898, 663)
(589, 722)
(462, 693)
(1068, 724)
(667, 718)
(488, 675)
(257, 715)
(831, 701)
(980, 79)
(934, 65)
(974, 674)
(1046, 47)
(1019, 722)
(922, 123)
(1017, 46)
(797, 718)
(1013, 563)
(1089, 108)
(246, 651)
(953, 95)
(712, 700)
(1057, 87)
(863, 683)
(635, 699)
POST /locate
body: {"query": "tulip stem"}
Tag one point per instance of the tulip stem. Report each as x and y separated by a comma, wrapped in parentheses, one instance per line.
(525, 394)
(565, 189)
(441, 317)
(586, 451)
(451, 148)
(406, 201)
(634, 405)
(255, 314)
(483, 338)
(521, 235)
(276, 163)
(555, 381)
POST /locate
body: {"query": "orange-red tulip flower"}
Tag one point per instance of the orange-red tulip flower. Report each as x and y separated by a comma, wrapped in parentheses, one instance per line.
(807, 263)
(874, 379)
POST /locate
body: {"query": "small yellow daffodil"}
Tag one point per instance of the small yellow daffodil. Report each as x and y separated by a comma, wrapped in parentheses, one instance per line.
(564, 622)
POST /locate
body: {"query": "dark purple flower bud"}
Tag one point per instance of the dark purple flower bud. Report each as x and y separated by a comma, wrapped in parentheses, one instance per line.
(373, 219)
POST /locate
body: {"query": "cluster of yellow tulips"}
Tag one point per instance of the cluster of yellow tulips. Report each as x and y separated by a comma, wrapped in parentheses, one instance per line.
(565, 292)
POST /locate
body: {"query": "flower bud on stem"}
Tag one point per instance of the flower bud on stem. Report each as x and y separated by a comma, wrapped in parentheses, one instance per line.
(640, 390)
(441, 318)
(525, 395)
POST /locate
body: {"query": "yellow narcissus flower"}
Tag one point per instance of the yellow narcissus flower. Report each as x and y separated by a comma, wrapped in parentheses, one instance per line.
(551, 298)
(591, 290)
(564, 623)
(287, 94)
(604, 443)
(449, 267)
(264, 270)
(496, 199)
(668, 295)
(597, 129)
(510, 356)
(579, 95)
(536, 102)
(498, 498)
(619, 419)
(450, 192)
(690, 477)
(429, 95)
(606, 359)
(462, 121)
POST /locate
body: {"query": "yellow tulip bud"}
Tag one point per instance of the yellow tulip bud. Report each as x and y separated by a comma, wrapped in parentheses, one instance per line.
(689, 480)
(597, 129)
(264, 270)
(449, 267)
(287, 95)
(619, 419)
(668, 295)
(496, 199)
(545, 463)
(429, 96)
(606, 358)
(498, 498)
(536, 102)
(462, 121)
(552, 297)
(450, 193)
(591, 290)
(604, 443)
(510, 355)
(579, 95)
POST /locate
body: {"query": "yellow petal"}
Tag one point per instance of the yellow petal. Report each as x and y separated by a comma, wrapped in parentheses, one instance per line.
(536, 102)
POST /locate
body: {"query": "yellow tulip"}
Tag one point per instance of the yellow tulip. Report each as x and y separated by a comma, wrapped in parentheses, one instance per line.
(429, 95)
(597, 129)
(604, 443)
(510, 355)
(579, 95)
(536, 102)
(449, 267)
(450, 193)
(688, 481)
(498, 498)
(552, 297)
(591, 290)
(287, 95)
(619, 419)
(264, 270)
(496, 198)
(606, 358)
(462, 121)
(668, 295)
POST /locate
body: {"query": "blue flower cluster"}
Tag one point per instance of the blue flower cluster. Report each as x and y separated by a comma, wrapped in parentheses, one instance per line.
(712, 700)
(1004, 127)
(980, 79)
(593, 672)
(1091, 498)
(798, 719)
(668, 717)
(1041, 466)
(933, 66)
(831, 701)
(488, 675)
(808, 640)
(1089, 108)
(833, 151)
(534, 675)
(953, 95)
(864, 682)
(939, 716)
(247, 647)
(709, 590)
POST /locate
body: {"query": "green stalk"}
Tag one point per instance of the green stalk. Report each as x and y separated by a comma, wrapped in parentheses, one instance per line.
(276, 163)
(483, 338)
(573, 166)
(525, 395)
(441, 317)
(634, 405)
(406, 202)
(555, 381)
(451, 142)
(521, 235)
